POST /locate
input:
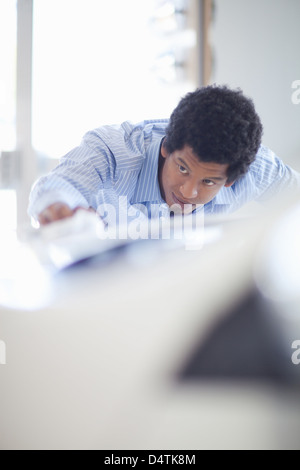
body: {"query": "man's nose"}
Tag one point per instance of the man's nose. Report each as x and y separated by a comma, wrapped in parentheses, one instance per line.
(189, 190)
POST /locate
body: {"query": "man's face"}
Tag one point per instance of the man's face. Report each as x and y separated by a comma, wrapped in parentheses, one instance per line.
(186, 180)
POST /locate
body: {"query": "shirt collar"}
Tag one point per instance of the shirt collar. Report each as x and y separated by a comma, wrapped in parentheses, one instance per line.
(147, 187)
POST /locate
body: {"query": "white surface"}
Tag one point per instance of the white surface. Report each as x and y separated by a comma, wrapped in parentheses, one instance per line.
(95, 368)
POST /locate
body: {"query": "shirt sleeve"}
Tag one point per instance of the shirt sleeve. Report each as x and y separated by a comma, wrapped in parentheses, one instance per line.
(272, 176)
(76, 180)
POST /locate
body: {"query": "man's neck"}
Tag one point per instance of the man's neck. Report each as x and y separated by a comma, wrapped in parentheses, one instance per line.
(161, 162)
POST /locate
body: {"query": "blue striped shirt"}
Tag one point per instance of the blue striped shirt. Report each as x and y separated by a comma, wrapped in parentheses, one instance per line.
(122, 160)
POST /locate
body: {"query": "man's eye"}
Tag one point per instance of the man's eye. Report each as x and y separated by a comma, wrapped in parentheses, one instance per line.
(208, 182)
(182, 169)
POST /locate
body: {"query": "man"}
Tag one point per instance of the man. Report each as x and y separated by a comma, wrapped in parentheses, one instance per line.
(207, 157)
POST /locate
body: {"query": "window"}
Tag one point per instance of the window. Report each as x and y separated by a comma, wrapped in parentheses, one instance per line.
(102, 62)
(8, 46)
(95, 62)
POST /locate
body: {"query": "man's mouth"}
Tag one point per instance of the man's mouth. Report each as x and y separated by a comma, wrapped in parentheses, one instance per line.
(179, 201)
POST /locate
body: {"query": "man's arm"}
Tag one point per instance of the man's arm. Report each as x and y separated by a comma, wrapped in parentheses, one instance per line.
(272, 176)
(73, 184)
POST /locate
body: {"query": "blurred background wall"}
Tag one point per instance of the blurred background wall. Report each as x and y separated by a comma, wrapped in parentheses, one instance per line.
(255, 47)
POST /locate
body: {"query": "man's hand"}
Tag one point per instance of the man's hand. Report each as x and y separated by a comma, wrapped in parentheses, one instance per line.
(57, 211)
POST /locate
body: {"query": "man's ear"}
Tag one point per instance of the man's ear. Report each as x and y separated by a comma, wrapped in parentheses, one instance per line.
(227, 185)
(163, 151)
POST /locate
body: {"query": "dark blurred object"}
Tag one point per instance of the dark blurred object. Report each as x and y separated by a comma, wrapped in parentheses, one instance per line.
(246, 345)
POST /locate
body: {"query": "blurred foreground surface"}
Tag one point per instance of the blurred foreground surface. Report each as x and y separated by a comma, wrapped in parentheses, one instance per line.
(153, 346)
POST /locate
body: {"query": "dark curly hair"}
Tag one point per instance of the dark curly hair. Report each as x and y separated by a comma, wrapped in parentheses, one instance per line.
(220, 125)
